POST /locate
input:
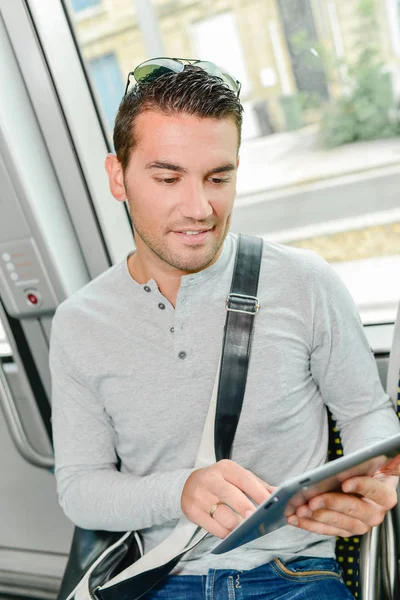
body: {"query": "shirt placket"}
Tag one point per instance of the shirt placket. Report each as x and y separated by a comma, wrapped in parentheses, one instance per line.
(183, 348)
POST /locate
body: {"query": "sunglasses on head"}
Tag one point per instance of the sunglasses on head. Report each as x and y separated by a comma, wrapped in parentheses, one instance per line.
(151, 69)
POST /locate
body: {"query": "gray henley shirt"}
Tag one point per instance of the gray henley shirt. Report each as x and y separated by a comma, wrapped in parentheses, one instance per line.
(133, 377)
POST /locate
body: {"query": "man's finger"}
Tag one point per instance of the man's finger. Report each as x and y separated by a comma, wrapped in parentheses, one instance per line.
(201, 516)
(379, 491)
(244, 480)
(212, 526)
(340, 521)
(326, 528)
(236, 499)
(346, 504)
(226, 517)
(267, 486)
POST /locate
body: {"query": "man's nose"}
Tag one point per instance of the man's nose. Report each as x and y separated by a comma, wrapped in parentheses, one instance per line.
(194, 203)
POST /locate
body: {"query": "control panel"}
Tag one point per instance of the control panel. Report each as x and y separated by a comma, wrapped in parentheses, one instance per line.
(25, 286)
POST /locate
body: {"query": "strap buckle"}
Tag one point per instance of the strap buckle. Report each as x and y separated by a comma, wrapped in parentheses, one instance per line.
(239, 300)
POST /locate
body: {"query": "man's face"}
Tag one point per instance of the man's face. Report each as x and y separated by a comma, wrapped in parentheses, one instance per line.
(180, 184)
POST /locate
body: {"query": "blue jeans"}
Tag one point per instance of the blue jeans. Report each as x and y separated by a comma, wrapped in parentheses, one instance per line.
(304, 578)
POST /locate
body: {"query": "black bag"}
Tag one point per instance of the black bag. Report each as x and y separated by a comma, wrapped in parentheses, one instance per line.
(88, 546)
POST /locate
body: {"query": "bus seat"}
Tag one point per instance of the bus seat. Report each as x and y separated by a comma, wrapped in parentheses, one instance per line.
(362, 557)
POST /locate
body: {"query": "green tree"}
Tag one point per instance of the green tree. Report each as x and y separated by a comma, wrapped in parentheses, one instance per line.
(366, 110)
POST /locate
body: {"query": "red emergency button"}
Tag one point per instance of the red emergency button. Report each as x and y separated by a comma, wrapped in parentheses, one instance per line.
(33, 298)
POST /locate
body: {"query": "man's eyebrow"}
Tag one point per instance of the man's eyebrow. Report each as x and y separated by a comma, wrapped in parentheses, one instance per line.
(222, 169)
(164, 165)
(179, 169)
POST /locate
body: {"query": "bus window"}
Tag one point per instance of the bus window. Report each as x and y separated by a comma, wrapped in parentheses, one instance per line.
(321, 133)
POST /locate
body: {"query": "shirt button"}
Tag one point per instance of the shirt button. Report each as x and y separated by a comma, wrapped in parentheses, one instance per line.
(147, 289)
(161, 306)
(172, 329)
(182, 355)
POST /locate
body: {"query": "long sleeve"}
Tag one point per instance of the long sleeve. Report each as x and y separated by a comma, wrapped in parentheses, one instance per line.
(343, 365)
(92, 492)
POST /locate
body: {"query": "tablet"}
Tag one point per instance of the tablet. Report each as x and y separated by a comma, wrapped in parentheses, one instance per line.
(383, 457)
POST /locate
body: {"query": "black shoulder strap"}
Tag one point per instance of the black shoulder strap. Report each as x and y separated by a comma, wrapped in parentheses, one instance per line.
(242, 305)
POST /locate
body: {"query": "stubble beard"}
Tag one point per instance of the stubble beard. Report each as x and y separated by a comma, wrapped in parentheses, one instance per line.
(189, 259)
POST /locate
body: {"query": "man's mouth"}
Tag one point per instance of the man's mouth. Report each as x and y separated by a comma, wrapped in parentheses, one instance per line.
(194, 232)
(193, 235)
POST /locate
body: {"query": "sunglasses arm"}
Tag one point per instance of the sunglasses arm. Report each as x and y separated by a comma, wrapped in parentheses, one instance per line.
(128, 82)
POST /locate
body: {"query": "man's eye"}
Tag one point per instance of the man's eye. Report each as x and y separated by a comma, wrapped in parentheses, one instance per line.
(167, 180)
(219, 180)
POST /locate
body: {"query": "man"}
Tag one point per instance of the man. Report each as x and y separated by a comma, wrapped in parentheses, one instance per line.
(134, 356)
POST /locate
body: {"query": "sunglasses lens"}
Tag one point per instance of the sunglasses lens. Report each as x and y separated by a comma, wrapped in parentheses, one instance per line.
(152, 69)
(216, 71)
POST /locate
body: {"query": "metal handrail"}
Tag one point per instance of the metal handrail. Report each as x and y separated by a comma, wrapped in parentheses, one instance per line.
(369, 563)
(16, 427)
(390, 568)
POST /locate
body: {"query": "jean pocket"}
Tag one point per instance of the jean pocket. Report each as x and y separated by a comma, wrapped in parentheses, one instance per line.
(307, 569)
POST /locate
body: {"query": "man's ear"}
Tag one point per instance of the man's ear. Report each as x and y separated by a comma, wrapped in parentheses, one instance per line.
(115, 177)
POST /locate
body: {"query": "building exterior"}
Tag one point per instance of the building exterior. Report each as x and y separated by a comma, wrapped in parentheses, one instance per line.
(290, 55)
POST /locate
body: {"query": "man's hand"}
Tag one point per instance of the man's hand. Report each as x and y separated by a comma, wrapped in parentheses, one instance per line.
(363, 505)
(226, 482)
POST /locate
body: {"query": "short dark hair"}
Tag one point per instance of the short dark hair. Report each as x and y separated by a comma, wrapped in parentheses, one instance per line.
(192, 91)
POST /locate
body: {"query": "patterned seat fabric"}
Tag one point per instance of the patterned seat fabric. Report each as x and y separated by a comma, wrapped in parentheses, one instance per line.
(348, 549)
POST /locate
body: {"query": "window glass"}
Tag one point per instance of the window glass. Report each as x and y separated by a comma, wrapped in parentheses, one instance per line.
(398, 11)
(79, 5)
(321, 137)
(205, 35)
(108, 83)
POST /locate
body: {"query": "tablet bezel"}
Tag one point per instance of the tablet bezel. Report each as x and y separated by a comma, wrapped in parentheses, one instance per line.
(272, 514)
